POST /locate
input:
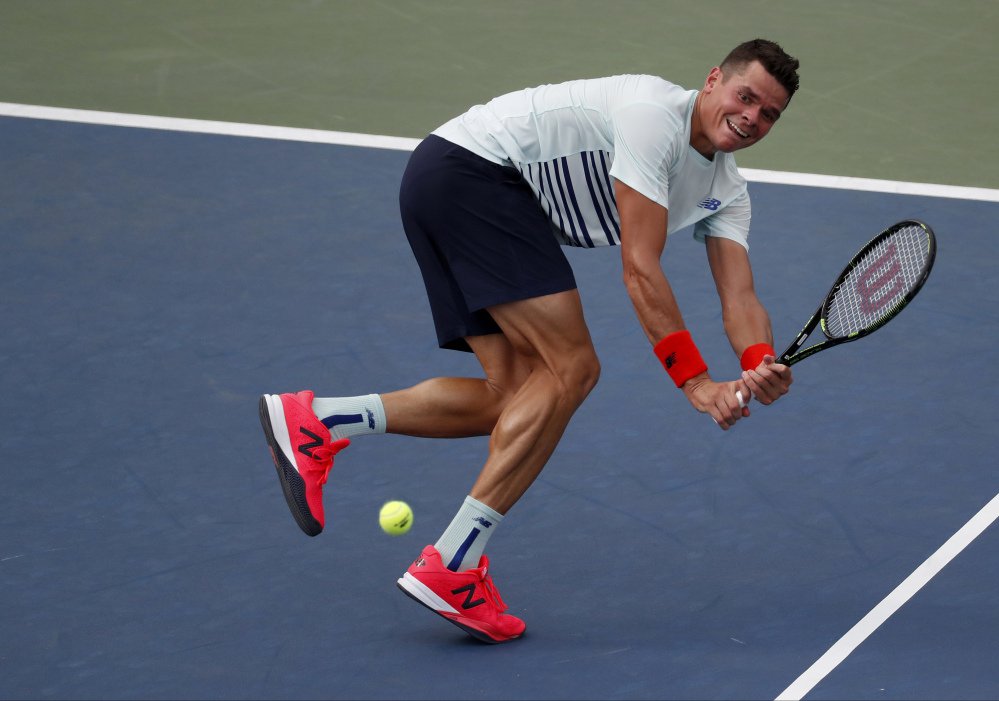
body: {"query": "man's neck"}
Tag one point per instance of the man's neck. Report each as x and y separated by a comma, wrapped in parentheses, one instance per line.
(698, 140)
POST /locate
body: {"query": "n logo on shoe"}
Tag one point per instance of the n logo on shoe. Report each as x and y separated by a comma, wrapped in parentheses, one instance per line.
(469, 590)
(307, 448)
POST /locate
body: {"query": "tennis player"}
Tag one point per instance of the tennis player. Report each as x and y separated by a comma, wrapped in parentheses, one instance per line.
(487, 200)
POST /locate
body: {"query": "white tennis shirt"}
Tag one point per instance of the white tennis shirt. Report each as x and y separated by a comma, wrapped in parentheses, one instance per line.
(569, 140)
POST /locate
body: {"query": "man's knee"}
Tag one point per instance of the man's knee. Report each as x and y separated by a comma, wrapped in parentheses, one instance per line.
(579, 375)
(571, 377)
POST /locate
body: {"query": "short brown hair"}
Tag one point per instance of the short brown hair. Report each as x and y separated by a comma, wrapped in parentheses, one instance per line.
(772, 57)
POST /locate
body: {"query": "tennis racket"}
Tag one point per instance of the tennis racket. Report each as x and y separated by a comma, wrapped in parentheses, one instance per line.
(877, 284)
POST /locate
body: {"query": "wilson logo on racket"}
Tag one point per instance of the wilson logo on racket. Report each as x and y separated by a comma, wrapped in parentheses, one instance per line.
(883, 271)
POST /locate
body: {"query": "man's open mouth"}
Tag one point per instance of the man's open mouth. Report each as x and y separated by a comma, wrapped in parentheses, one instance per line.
(736, 129)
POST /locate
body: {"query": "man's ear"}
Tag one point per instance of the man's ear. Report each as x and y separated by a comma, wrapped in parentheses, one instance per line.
(714, 77)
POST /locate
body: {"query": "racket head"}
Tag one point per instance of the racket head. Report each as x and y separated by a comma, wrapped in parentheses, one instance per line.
(880, 280)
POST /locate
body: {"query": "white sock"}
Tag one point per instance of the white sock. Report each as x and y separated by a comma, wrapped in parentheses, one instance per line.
(462, 544)
(350, 416)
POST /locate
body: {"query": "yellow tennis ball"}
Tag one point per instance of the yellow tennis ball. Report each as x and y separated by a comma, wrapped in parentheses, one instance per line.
(396, 517)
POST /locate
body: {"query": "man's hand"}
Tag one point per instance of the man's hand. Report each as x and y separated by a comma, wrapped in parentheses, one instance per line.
(769, 381)
(718, 399)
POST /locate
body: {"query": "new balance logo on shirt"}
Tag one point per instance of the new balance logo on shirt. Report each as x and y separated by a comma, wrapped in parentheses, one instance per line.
(710, 203)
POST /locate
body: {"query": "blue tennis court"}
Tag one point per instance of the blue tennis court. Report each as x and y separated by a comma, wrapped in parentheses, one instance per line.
(155, 283)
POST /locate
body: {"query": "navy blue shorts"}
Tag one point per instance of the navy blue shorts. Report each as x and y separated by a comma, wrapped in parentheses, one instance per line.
(479, 236)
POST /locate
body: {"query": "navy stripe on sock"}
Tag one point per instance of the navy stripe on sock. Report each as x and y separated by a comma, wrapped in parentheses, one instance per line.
(338, 419)
(460, 555)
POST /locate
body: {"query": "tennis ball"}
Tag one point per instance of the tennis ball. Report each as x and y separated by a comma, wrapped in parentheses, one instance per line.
(395, 517)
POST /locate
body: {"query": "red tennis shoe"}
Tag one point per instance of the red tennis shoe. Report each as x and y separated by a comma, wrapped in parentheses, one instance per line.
(303, 454)
(468, 599)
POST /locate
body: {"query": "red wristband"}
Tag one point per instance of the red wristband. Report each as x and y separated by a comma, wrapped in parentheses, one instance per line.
(753, 356)
(680, 357)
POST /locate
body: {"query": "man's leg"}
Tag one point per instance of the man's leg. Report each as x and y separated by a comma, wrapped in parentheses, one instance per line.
(547, 341)
(549, 336)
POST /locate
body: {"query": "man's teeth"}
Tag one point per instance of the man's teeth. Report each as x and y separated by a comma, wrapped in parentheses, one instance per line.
(736, 129)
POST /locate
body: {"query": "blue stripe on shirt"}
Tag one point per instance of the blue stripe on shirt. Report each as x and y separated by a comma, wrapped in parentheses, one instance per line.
(604, 185)
(575, 202)
(565, 204)
(593, 197)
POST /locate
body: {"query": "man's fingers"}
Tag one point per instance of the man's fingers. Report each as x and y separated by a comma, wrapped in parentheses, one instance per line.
(765, 388)
(729, 413)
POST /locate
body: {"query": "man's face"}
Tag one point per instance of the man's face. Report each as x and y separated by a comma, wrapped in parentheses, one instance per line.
(739, 108)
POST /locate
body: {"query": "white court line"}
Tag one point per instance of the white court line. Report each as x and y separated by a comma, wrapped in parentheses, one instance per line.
(342, 138)
(201, 126)
(892, 603)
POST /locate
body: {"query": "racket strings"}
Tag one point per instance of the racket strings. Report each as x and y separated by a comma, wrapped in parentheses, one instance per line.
(880, 282)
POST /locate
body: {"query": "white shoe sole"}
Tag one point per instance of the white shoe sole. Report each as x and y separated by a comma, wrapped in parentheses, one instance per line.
(279, 427)
(422, 593)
